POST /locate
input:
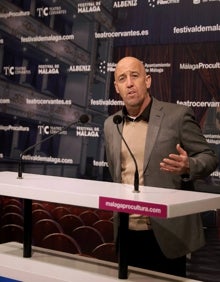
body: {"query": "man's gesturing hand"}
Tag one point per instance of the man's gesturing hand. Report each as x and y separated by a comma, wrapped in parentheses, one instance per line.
(176, 163)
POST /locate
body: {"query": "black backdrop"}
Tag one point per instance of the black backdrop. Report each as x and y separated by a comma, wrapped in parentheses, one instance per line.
(57, 60)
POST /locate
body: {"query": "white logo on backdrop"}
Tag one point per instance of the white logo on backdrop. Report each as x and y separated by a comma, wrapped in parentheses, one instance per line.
(12, 70)
(50, 11)
(89, 7)
(204, 1)
(154, 3)
(105, 67)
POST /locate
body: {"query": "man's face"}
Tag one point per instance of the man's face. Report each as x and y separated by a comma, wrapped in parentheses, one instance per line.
(131, 82)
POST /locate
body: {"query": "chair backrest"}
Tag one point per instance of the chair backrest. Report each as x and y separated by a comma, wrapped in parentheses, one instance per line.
(104, 214)
(39, 214)
(11, 232)
(12, 208)
(106, 251)
(69, 222)
(106, 228)
(12, 218)
(44, 227)
(89, 217)
(61, 242)
(59, 211)
(36, 206)
(88, 238)
(77, 210)
(14, 201)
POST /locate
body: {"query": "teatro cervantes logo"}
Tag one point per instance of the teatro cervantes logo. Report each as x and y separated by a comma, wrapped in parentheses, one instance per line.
(50, 11)
(15, 70)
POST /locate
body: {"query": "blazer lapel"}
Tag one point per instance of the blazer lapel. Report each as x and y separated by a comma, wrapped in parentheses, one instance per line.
(156, 117)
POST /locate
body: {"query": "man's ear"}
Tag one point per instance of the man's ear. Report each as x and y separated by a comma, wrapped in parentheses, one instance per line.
(148, 81)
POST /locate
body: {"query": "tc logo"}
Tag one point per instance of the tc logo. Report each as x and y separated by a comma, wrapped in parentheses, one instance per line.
(43, 12)
(44, 129)
(9, 70)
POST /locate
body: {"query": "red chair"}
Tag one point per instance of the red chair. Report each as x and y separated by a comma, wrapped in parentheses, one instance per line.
(89, 217)
(106, 228)
(88, 238)
(39, 214)
(14, 201)
(12, 208)
(69, 222)
(106, 251)
(61, 242)
(11, 232)
(44, 227)
(103, 214)
(77, 210)
(59, 211)
(36, 206)
(12, 218)
(49, 206)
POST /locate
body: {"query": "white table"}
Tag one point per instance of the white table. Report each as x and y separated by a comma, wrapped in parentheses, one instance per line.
(164, 203)
(151, 201)
(53, 266)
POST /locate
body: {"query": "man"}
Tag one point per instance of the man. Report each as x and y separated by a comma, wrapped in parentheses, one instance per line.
(169, 148)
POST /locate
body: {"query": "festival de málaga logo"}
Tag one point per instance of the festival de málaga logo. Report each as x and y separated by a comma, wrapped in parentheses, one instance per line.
(89, 7)
(87, 131)
(48, 69)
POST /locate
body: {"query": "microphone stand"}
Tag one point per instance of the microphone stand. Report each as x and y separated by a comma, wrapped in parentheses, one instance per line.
(122, 243)
(31, 147)
(82, 119)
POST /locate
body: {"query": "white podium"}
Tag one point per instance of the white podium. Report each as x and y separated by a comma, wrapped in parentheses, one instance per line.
(151, 201)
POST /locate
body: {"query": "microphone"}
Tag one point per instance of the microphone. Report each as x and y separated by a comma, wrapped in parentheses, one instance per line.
(82, 119)
(117, 119)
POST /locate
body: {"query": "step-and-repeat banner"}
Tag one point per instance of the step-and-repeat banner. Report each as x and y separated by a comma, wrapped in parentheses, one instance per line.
(57, 60)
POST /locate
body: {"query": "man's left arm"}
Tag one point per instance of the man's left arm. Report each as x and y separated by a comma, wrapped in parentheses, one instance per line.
(194, 157)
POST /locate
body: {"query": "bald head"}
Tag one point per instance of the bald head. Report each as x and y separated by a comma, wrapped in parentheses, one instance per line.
(127, 61)
(132, 84)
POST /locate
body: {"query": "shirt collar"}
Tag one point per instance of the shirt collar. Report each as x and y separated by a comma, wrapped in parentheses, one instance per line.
(145, 115)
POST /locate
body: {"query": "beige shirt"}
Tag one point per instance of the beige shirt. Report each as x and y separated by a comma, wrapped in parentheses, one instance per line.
(134, 134)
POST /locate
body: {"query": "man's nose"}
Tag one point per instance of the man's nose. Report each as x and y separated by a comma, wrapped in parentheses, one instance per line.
(129, 81)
